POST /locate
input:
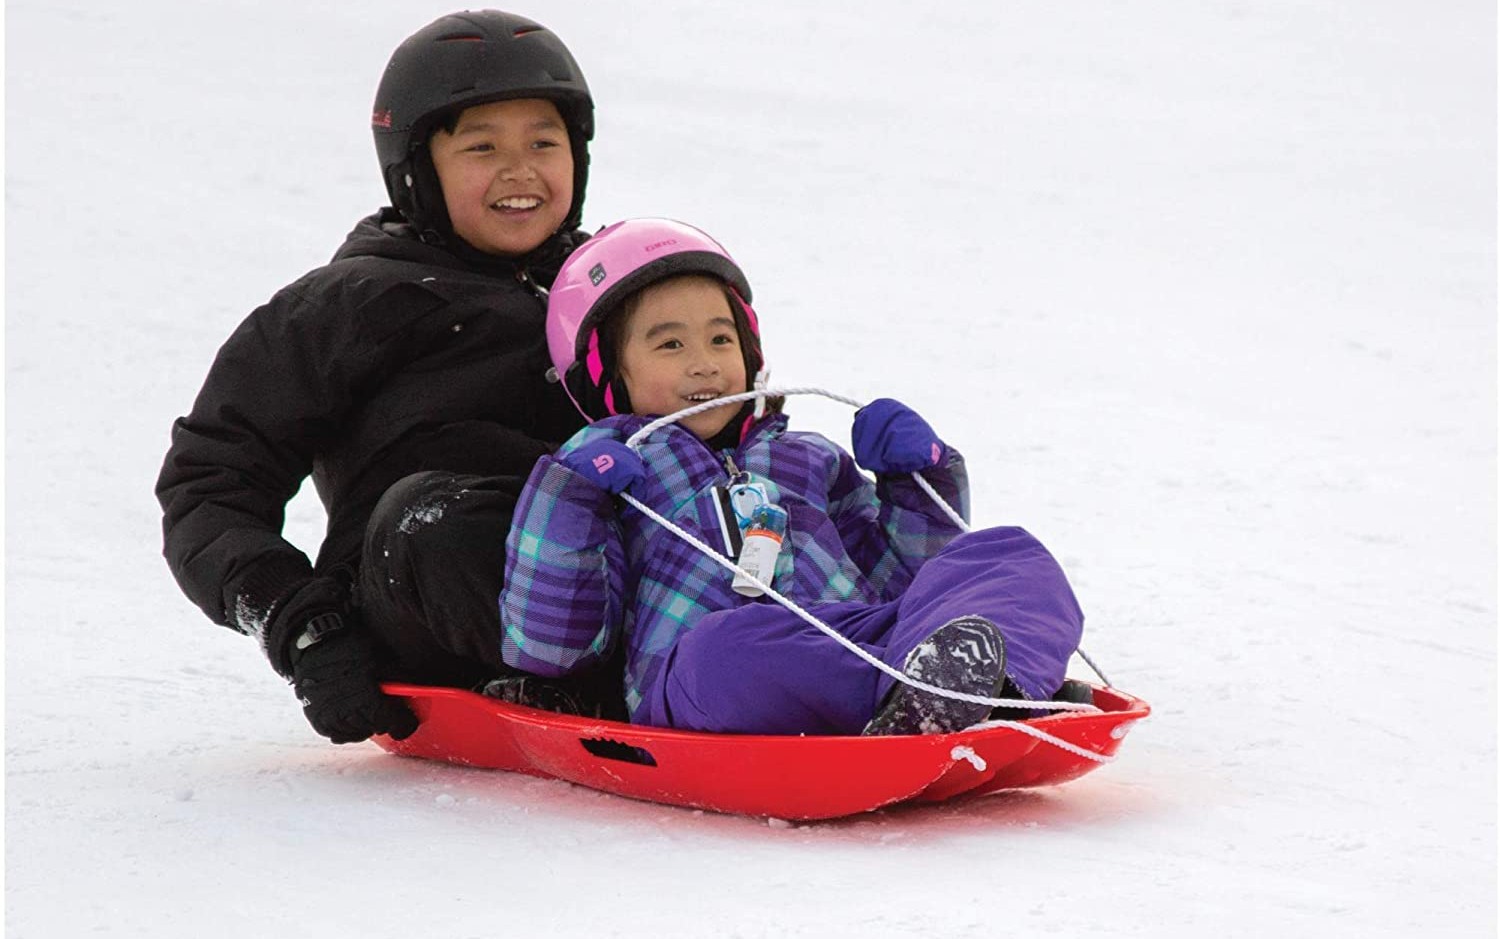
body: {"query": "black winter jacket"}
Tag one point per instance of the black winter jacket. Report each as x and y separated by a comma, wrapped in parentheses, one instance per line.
(395, 357)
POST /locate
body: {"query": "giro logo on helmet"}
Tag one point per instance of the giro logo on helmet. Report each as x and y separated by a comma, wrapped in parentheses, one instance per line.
(660, 244)
(381, 119)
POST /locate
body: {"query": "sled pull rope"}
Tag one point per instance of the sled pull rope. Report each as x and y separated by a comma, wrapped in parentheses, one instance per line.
(822, 627)
(634, 442)
(870, 659)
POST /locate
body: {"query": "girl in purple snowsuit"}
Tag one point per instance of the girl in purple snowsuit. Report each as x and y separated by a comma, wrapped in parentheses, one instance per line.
(650, 317)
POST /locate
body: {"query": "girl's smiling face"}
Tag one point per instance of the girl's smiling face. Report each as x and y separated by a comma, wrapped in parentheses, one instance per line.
(680, 348)
(507, 174)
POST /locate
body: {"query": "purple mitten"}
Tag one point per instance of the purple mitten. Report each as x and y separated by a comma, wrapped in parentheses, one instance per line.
(890, 437)
(608, 464)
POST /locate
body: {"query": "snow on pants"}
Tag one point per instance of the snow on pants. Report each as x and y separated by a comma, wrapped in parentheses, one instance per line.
(761, 669)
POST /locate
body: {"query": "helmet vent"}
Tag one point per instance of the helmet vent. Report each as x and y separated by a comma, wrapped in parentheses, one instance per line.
(527, 31)
(461, 37)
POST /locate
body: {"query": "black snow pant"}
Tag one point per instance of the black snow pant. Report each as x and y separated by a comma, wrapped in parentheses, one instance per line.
(430, 577)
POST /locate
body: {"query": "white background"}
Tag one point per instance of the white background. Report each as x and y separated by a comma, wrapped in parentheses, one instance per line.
(1204, 290)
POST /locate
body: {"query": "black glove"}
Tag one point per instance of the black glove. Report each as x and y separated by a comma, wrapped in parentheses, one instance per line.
(333, 673)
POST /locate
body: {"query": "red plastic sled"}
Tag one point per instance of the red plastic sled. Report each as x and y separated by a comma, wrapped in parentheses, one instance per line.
(781, 777)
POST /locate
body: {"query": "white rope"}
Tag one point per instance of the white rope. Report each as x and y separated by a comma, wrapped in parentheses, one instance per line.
(673, 418)
(867, 657)
(1090, 662)
(942, 503)
(634, 442)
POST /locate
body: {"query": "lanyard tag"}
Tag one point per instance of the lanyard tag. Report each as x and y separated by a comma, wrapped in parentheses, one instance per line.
(729, 528)
(735, 504)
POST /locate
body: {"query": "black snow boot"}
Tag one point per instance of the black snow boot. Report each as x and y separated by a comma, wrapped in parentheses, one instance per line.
(1073, 691)
(966, 654)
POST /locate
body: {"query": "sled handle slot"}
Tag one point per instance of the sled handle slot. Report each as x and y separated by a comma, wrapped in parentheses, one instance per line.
(607, 749)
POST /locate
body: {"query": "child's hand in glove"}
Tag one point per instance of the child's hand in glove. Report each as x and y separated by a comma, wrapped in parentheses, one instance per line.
(890, 437)
(334, 678)
(608, 464)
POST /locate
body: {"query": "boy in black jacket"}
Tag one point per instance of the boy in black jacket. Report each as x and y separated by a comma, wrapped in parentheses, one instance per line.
(407, 377)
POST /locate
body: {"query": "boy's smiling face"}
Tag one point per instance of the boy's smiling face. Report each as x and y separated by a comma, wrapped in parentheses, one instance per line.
(507, 174)
(680, 348)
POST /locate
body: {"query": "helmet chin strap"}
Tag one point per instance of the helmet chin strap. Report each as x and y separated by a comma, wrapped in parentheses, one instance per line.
(417, 181)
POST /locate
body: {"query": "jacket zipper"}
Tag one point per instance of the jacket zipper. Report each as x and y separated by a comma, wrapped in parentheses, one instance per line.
(524, 276)
(736, 475)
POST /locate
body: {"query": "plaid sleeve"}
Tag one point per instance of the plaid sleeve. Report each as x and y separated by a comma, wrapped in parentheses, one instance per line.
(891, 527)
(565, 561)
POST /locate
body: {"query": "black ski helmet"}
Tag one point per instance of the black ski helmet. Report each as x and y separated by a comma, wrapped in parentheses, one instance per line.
(458, 61)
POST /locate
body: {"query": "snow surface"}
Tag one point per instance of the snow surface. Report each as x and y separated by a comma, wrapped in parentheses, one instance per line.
(1205, 290)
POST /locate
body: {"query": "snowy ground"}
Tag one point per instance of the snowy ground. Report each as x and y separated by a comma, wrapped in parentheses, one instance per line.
(1206, 291)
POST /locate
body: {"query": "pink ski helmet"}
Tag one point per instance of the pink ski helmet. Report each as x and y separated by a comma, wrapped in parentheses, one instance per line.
(620, 260)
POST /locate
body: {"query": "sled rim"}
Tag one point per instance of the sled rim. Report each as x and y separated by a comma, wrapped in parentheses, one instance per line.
(790, 777)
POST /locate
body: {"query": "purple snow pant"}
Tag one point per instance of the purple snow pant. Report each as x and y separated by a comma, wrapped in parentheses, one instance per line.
(759, 669)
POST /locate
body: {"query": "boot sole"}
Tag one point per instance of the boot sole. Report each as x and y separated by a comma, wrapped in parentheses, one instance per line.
(967, 655)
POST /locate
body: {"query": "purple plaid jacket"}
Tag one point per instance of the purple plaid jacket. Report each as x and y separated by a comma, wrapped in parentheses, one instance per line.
(584, 570)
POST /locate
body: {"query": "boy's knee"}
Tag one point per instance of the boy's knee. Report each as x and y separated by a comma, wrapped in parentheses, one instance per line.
(412, 503)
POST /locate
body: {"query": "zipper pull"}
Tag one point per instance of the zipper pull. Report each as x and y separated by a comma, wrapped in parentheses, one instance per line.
(736, 475)
(524, 276)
